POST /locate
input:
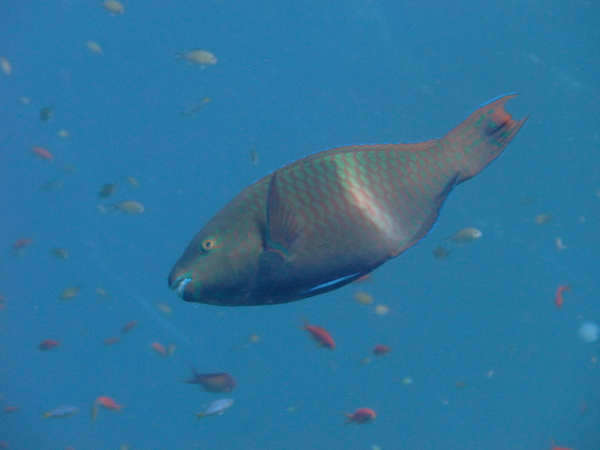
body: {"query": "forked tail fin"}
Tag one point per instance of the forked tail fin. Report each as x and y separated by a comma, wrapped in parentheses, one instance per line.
(480, 138)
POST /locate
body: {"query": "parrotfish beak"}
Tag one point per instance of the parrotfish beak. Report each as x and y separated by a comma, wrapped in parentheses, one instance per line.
(184, 288)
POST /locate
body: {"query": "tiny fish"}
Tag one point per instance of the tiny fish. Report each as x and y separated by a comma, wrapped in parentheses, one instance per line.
(113, 7)
(42, 153)
(93, 47)
(48, 344)
(441, 253)
(216, 408)
(6, 67)
(381, 350)
(20, 244)
(201, 57)
(360, 417)
(70, 293)
(107, 190)
(364, 298)
(196, 108)
(51, 185)
(254, 155)
(319, 334)
(111, 341)
(466, 235)
(213, 382)
(128, 207)
(159, 348)
(60, 412)
(559, 244)
(46, 113)
(382, 310)
(558, 298)
(101, 292)
(59, 253)
(544, 219)
(129, 326)
(108, 403)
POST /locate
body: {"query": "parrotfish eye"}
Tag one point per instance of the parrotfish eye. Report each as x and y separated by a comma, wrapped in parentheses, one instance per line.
(208, 244)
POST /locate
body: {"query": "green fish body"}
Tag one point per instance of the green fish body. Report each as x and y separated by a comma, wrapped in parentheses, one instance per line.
(329, 218)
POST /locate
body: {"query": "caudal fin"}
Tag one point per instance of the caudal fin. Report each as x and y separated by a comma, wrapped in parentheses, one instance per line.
(480, 138)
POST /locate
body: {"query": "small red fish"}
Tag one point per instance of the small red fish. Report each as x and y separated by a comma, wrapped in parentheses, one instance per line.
(361, 416)
(42, 153)
(10, 409)
(159, 348)
(48, 344)
(111, 341)
(20, 244)
(319, 334)
(108, 403)
(129, 326)
(558, 299)
(213, 382)
(381, 350)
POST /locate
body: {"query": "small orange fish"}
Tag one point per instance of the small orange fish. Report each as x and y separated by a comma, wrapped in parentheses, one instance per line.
(553, 446)
(361, 416)
(108, 403)
(159, 348)
(558, 299)
(319, 334)
(42, 153)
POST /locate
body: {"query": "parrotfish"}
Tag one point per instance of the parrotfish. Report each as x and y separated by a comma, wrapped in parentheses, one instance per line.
(327, 219)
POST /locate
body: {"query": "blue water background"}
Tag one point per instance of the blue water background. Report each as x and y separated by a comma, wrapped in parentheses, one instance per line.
(293, 78)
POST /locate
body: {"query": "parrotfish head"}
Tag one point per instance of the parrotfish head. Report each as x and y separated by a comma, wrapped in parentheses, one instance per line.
(218, 267)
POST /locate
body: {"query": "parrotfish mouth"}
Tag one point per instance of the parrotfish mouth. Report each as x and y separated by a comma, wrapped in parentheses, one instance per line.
(179, 285)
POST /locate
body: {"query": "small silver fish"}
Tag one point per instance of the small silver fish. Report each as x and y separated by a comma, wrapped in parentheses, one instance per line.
(216, 408)
(61, 412)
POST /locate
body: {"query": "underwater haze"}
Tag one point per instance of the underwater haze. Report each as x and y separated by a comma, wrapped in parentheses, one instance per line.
(119, 141)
